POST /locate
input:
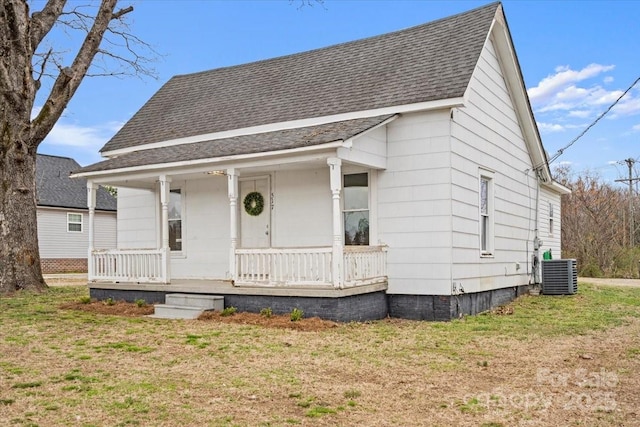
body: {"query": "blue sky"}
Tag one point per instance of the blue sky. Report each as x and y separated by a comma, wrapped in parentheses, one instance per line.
(577, 57)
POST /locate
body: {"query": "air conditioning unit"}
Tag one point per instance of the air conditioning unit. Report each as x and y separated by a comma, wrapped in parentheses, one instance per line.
(559, 277)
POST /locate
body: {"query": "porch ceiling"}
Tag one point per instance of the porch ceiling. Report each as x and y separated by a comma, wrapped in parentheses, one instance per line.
(221, 149)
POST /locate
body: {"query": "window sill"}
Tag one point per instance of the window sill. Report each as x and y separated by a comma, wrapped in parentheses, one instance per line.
(486, 255)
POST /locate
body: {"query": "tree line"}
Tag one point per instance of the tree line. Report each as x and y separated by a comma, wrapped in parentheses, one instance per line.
(595, 225)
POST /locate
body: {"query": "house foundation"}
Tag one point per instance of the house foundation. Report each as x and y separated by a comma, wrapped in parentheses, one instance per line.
(354, 305)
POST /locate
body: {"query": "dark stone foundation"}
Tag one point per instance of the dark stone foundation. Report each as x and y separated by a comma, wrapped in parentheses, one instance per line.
(362, 307)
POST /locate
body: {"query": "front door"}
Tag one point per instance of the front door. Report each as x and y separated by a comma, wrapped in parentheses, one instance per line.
(255, 212)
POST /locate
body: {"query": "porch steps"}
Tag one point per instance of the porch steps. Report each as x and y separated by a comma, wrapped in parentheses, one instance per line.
(187, 306)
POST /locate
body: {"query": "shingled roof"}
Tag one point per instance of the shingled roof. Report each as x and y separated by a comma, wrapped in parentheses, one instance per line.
(428, 62)
(54, 188)
(269, 141)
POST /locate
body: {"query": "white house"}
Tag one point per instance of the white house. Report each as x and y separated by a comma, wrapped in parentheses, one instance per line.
(63, 236)
(397, 175)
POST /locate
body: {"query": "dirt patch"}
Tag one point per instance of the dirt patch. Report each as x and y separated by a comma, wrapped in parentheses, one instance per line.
(274, 321)
(116, 308)
(123, 308)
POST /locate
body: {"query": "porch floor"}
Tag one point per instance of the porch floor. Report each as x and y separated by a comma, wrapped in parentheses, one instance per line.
(224, 287)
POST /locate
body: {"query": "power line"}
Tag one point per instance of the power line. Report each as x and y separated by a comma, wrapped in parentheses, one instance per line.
(560, 151)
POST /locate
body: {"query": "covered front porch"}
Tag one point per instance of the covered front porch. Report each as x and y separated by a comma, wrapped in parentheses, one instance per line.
(255, 253)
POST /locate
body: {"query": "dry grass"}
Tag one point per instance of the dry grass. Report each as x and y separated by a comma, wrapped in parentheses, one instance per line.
(542, 361)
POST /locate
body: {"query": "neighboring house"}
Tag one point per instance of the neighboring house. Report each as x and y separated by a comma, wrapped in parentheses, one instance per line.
(397, 175)
(63, 235)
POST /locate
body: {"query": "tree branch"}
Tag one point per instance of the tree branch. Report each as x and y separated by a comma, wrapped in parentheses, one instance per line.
(70, 78)
(122, 12)
(43, 21)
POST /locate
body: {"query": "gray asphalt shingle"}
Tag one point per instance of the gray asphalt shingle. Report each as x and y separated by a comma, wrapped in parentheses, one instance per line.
(246, 144)
(424, 63)
(54, 188)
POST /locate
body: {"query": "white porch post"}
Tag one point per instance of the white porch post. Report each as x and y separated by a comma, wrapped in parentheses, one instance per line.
(91, 204)
(335, 174)
(232, 184)
(165, 187)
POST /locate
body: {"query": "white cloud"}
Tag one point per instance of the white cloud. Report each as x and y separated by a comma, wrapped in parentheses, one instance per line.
(636, 128)
(550, 127)
(608, 80)
(72, 137)
(580, 114)
(628, 106)
(564, 77)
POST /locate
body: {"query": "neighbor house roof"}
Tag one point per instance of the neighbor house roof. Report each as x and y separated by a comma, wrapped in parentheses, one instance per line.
(246, 144)
(54, 188)
(425, 63)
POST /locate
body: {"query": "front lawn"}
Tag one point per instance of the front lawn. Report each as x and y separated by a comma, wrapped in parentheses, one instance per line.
(547, 361)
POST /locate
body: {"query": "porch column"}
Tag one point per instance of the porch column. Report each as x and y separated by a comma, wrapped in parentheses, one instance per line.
(335, 174)
(232, 184)
(91, 204)
(165, 187)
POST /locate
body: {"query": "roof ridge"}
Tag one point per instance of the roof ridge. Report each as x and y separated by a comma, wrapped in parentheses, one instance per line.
(56, 156)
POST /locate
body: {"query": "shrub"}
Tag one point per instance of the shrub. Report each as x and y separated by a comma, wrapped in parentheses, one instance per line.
(140, 302)
(296, 314)
(266, 312)
(229, 311)
(590, 270)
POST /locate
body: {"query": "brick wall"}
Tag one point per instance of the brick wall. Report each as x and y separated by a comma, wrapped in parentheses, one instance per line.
(63, 265)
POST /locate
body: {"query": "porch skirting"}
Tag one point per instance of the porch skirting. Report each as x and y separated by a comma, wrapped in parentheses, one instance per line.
(346, 305)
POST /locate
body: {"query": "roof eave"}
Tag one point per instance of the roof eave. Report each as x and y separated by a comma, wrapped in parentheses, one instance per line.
(209, 161)
(420, 106)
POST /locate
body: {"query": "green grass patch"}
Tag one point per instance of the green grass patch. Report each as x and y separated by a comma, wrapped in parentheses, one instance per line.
(319, 411)
(30, 384)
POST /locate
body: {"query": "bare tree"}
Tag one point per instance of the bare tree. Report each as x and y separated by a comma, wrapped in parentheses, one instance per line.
(593, 223)
(26, 61)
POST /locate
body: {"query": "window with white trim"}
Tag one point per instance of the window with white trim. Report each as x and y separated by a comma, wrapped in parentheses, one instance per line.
(74, 223)
(356, 208)
(175, 220)
(486, 214)
(550, 219)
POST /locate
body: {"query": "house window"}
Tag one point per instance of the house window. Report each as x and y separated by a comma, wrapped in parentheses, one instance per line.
(550, 219)
(74, 223)
(356, 209)
(175, 220)
(486, 215)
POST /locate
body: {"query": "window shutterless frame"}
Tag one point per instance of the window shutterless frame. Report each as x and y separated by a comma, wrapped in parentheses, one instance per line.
(176, 202)
(355, 210)
(74, 222)
(486, 212)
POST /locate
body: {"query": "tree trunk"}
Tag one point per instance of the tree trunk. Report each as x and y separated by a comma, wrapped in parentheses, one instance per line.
(20, 35)
(19, 256)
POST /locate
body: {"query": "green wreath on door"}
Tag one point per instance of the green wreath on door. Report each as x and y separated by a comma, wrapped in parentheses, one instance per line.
(253, 203)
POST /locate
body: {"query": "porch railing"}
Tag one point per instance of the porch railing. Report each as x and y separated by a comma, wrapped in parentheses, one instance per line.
(364, 264)
(129, 265)
(287, 266)
(309, 266)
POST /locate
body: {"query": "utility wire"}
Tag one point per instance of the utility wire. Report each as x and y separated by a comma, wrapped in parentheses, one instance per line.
(560, 151)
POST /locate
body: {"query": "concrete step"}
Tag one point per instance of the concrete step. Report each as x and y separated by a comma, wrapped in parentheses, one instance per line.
(168, 311)
(206, 302)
